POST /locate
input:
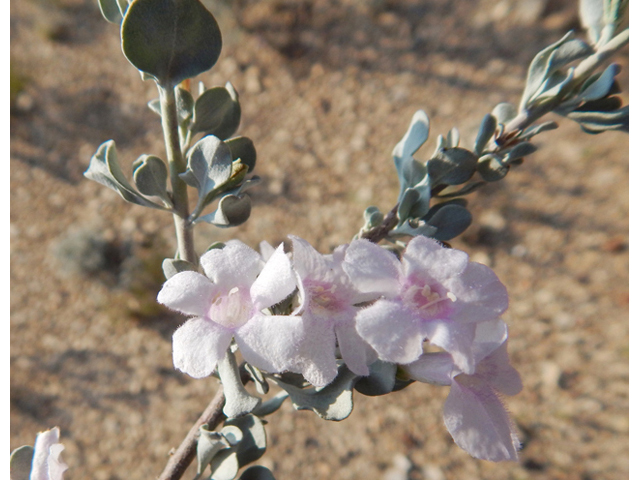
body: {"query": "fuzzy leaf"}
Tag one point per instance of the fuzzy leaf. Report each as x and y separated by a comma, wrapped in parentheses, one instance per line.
(522, 149)
(333, 402)
(381, 379)
(591, 18)
(269, 406)
(243, 148)
(150, 176)
(492, 168)
(171, 266)
(450, 220)
(254, 438)
(208, 446)
(113, 10)
(414, 138)
(536, 129)
(601, 85)
(485, 132)
(452, 166)
(171, 40)
(209, 165)
(257, 472)
(20, 463)
(232, 211)
(217, 112)
(539, 70)
(104, 169)
(224, 465)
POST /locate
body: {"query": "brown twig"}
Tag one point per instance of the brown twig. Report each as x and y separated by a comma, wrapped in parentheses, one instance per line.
(186, 452)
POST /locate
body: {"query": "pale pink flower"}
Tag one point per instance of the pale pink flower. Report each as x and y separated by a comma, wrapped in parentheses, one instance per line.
(434, 293)
(229, 302)
(47, 464)
(328, 307)
(474, 413)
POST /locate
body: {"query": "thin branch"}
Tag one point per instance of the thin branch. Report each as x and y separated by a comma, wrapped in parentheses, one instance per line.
(186, 452)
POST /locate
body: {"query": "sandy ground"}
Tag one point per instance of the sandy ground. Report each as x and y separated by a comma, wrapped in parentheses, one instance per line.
(327, 89)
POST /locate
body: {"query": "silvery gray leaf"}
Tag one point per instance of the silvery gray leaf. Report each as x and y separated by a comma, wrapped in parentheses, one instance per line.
(452, 166)
(217, 112)
(414, 138)
(150, 176)
(601, 84)
(598, 122)
(570, 51)
(254, 438)
(209, 165)
(453, 137)
(521, 150)
(381, 379)
(238, 401)
(232, 211)
(269, 406)
(410, 171)
(450, 220)
(20, 463)
(113, 10)
(257, 472)
(243, 148)
(408, 199)
(209, 444)
(554, 86)
(154, 106)
(333, 402)
(262, 386)
(492, 168)
(184, 105)
(170, 40)
(104, 169)
(504, 112)
(224, 466)
(441, 144)
(422, 228)
(421, 206)
(485, 133)
(591, 18)
(467, 189)
(373, 217)
(171, 266)
(539, 70)
(536, 129)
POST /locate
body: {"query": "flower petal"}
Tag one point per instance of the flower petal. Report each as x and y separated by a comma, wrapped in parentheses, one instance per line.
(46, 456)
(455, 338)
(479, 294)
(426, 256)
(269, 342)
(275, 282)
(232, 266)
(392, 330)
(496, 370)
(188, 292)
(307, 261)
(371, 268)
(479, 423)
(198, 345)
(435, 368)
(354, 350)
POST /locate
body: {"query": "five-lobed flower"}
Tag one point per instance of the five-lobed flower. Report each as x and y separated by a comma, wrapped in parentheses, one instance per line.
(434, 293)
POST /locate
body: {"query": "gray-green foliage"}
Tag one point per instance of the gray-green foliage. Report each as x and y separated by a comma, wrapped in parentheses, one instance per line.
(20, 463)
(170, 40)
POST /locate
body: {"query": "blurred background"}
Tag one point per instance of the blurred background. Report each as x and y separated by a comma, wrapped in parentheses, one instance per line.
(327, 88)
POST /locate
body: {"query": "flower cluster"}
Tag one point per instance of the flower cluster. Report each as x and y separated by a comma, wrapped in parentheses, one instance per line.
(357, 305)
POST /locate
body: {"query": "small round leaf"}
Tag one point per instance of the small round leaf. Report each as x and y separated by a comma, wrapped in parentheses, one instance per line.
(171, 40)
